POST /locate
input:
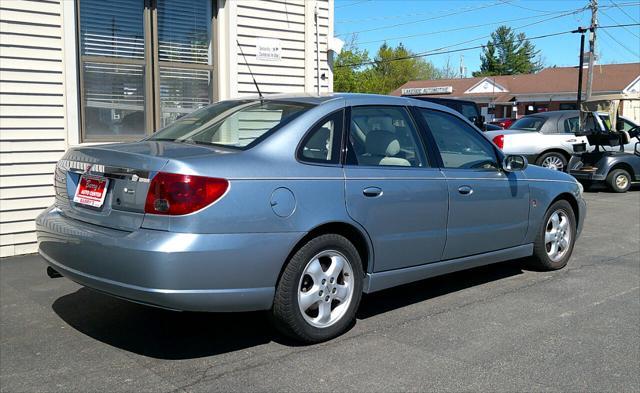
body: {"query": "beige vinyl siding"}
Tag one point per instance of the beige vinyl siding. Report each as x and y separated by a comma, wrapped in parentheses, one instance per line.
(32, 116)
(283, 20)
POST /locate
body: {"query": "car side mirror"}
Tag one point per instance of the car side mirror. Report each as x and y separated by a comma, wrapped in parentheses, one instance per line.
(514, 162)
(619, 124)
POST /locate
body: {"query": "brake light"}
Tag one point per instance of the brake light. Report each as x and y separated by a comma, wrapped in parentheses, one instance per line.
(175, 194)
(499, 141)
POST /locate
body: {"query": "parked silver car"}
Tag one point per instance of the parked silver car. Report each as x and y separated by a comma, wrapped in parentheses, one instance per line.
(547, 138)
(298, 205)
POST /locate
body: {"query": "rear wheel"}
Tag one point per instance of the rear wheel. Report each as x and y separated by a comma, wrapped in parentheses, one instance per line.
(619, 180)
(553, 160)
(554, 244)
(320, 290)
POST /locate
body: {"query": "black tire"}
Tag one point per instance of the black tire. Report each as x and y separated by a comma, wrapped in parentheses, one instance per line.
(540, 260)
(615, 183)
(286, 313)
(553, 155)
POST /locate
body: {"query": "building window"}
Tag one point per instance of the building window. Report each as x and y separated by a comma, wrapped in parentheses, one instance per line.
(143, 64)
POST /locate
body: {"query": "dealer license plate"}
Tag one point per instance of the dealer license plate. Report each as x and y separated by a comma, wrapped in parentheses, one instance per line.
(91, 191)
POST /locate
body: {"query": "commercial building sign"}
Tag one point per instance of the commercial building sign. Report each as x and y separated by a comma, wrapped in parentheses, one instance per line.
(268, 49)
(419, 91)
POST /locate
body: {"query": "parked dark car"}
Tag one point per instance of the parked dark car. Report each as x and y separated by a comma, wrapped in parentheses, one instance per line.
(468, 109)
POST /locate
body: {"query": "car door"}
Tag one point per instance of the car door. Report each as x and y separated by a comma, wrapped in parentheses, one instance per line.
(564, 132)
(488, 208)
(392, 190)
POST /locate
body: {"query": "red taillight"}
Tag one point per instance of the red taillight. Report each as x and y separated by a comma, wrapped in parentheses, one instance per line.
(499, 141)
(174, 194)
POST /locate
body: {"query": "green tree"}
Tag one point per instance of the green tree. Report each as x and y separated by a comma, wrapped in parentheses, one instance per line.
(390, 69)
(508, 54)
(347, 75)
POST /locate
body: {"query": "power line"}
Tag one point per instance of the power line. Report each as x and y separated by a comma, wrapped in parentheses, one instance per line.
(623, 11)
(620, 43)
(423, 20)
(349, 5)
(435, 52)
(615, 21)
(397, 16)
(527, 8)
(515, 28)
(469, 27)
(387, 17)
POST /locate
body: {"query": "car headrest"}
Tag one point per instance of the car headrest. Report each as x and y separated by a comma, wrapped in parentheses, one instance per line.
(382, 143)
(378, 123)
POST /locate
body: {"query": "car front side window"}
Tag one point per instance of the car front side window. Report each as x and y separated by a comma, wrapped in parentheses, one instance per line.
(460, 146)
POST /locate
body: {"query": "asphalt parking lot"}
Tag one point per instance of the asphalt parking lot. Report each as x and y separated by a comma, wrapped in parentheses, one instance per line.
(496, 328)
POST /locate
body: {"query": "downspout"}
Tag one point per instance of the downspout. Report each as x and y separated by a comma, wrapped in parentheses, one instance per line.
(316, 12)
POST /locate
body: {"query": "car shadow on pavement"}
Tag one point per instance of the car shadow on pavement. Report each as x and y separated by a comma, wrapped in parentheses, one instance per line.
(405, 295)
(159, 333)
(172, 335)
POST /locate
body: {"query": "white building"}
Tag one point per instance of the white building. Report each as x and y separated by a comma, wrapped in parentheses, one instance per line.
(89, 71)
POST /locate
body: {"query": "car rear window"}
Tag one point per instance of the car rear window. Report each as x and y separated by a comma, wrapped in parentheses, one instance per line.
(238, 124)
(528, 123)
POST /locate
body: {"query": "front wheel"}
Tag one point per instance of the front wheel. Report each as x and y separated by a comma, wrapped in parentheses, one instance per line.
(619, 180)
(556, 236)
(320, 289)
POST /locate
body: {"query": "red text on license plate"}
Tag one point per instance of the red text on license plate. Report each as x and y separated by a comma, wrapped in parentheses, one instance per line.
(91, 191)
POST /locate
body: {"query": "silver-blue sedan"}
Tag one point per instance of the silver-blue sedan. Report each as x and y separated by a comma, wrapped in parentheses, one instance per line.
(298, 205)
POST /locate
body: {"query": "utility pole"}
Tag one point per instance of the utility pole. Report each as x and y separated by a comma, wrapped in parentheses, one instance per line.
(580, 64)
(463, 70)
(592, 45)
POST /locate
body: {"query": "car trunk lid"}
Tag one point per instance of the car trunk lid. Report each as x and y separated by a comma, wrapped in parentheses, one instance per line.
(128, 169)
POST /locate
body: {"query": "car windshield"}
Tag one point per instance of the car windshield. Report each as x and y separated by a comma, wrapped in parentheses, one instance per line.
(528, 123)
(237, 124)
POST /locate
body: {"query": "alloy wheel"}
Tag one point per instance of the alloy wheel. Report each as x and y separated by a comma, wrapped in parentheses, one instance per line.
(557, 237)
(325, 289)
(553, 162)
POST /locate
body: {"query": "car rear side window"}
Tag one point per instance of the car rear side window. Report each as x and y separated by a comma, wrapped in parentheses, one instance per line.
(384, 136)
(322, 142)
(460, 145)
(528, 123)
(572, 125)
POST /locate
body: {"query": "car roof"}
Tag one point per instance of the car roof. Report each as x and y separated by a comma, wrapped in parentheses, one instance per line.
(355, 99)
(551, 114)
(443, 99)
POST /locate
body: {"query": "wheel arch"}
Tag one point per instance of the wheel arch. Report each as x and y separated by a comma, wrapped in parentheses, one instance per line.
(567, 196)
(622, 165)
(357, 236)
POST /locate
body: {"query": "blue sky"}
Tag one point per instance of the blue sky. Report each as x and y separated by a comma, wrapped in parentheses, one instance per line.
(471, 21)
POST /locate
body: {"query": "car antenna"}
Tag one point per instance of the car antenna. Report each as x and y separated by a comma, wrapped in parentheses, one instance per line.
(250, 72)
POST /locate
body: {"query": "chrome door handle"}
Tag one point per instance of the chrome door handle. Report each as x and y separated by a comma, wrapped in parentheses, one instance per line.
(465, 190)
(372, 192)
(572, 140)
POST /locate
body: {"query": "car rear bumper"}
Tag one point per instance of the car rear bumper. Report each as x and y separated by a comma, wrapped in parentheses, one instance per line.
(179, 271)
